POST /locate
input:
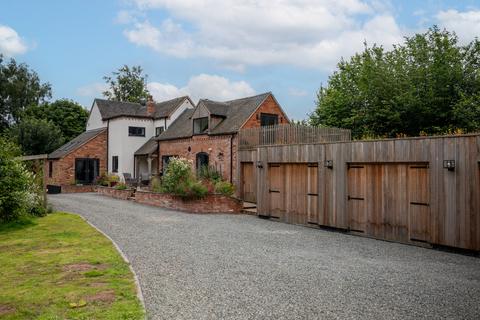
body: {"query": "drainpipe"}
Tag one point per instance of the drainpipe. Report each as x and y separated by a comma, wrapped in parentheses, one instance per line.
(108, 138)
(231, 158)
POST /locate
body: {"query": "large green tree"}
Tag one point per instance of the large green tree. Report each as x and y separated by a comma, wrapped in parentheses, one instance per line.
(430, 84)
(37, 136)
(20, 87)
(127, 84)
(70, 117)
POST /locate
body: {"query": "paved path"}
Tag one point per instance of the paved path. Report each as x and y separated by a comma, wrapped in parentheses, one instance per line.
(242, 267)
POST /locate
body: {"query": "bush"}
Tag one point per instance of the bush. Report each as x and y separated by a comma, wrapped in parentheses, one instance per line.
(102, 180)
(197, 190)
(209, 173)
(225, 188)
(121, 186)
(180, 181)
(17, 186)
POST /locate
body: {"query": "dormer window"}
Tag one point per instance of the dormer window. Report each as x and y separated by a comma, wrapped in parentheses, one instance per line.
(200, 125)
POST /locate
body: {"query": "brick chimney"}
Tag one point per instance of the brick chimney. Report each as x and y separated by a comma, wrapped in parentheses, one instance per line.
(150, 105)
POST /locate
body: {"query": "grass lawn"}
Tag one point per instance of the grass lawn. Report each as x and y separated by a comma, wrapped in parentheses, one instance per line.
(59, 267)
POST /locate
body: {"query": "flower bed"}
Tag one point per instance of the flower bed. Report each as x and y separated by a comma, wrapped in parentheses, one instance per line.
(211, 203)
(116, 193)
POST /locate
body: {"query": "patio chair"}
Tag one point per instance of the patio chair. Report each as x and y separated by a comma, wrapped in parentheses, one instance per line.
(144, 179)
(129, 181)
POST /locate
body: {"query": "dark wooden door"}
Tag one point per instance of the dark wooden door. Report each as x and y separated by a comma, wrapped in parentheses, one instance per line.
(249, 182)
(86, 170)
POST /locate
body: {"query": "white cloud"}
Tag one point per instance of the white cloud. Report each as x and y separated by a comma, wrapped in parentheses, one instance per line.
(10, 42)
(465, 24)
(309, 33)
(93, 90)
(203, 86)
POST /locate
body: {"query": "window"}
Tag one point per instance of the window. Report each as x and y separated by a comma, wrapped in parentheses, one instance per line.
(136, 131)
(115, 164)
(50, 169)
(268, 119)
(200, 125)
(202, 160)
(165, 161)
(159, 130)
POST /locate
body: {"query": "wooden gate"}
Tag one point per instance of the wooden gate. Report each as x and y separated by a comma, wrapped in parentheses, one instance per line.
(312, 193)
(357, 189)
(276, 190)
(419, 203)
(249, 182)
(389, 201)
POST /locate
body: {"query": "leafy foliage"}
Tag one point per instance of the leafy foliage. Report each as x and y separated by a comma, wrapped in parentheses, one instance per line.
(209, 173)
(180, 180)
(225, 188)
(20, 87)
(70, 117)
(17, 186)
(37, 136)
(121, 186)
(427, 85)
(127, 84)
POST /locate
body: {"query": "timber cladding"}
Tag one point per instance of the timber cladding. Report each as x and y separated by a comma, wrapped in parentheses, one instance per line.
(398, 190)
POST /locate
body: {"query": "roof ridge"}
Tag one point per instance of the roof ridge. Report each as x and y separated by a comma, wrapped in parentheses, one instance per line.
(255, 96)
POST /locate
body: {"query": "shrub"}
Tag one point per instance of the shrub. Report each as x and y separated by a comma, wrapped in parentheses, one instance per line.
(17, 185)
(180, 180)
(102, 180)
(121, 186)
(197, 190)
(225, 188)
(156, 184)
(209, 173)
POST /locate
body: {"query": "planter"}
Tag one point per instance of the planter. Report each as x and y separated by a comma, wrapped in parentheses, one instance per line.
(115, 193)
(212, 203)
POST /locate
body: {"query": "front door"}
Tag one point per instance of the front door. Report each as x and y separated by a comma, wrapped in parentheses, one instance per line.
(86, 170)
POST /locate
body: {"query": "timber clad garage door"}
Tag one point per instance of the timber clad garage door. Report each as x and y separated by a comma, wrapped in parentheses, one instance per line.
(249, 182)
(389, 201)
(293, 192)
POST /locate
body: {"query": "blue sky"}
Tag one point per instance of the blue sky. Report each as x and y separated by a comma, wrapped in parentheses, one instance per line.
(219, 50)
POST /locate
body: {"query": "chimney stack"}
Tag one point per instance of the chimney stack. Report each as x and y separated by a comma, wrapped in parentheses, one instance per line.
(150, 105)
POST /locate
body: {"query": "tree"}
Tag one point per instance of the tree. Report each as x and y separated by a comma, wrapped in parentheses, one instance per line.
(428, 85)
(20, 87)
(127, 84)
(70, 117)
(37, 136)
(16, 197)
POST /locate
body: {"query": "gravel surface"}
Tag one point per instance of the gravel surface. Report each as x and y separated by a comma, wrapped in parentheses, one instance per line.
(242, 267)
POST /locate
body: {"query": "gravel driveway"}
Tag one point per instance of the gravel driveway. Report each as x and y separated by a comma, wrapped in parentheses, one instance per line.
(242, 267)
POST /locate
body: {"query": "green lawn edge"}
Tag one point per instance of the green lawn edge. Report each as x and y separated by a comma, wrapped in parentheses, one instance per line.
(60, 267)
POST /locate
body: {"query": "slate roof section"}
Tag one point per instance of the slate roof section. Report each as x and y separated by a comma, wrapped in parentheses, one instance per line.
(76, 143)
(148, 148)
(235, 112)
(114, 109)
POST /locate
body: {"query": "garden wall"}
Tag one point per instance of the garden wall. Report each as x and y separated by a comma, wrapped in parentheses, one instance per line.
(115, 193)
(212, 203)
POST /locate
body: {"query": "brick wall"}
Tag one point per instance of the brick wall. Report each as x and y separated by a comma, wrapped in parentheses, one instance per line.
(115, 193)
(77, 189)
(213, 203)
(217, 148)
(64, 168)
(268, 106)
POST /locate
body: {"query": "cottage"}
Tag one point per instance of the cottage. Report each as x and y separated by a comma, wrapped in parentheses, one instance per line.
(119, 138)
(208, 134)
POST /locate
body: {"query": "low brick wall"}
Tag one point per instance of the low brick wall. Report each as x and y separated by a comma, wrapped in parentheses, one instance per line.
(212, 203)
(115, 193)
(77, 189)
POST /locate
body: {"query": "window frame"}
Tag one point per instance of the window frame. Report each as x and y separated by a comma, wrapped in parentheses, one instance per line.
(269, 115)
(157, 129)
(200, 119)
(115, 164)
(50, 168)
(133, 134)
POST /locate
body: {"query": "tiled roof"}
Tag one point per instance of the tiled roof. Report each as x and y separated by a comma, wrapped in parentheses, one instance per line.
(148, 148)
(235, 113)
(112, 109)
(75, 143)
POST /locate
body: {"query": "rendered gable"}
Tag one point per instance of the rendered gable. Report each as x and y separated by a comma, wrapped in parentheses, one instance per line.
(95, 119)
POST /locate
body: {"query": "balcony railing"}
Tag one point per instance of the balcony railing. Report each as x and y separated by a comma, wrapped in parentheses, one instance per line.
(290, 134)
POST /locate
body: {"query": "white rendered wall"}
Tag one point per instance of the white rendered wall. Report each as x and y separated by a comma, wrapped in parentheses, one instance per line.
(185, 105)
(124, 146)
(95, 119)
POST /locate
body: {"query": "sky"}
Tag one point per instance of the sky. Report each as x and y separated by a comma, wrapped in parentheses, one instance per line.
(215, 49)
